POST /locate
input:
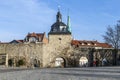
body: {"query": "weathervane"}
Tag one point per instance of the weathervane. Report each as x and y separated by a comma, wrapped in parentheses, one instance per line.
(59, 7)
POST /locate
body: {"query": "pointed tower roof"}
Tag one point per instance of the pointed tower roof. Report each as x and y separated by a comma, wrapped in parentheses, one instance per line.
(59, 27)
(68, 23)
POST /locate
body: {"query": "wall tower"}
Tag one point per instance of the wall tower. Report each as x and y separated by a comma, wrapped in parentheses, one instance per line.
(59, 34)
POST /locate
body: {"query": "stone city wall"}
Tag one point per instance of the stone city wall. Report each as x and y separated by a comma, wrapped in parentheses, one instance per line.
(29, 51)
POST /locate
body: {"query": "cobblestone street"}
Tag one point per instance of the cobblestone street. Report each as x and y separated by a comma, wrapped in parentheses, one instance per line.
(93, 73)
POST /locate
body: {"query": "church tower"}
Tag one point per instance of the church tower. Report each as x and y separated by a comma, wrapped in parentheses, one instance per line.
(59, 35)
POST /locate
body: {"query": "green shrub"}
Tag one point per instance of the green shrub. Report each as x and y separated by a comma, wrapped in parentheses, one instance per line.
(21, 62)
(11, 62)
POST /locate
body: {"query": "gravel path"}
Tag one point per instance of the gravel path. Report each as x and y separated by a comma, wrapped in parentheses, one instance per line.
(93, 73)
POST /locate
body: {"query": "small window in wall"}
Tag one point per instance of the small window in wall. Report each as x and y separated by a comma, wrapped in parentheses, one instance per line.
(59, 38)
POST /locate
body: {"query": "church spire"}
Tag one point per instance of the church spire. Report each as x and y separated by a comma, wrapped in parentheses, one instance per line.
(68, 23)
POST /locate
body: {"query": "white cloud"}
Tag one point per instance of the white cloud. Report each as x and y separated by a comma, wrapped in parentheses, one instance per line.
(22, 16)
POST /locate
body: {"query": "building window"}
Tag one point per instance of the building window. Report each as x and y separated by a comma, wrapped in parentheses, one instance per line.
(89, 44)
(63, 28)
(83, 44)
(32, 39)
(59, 38)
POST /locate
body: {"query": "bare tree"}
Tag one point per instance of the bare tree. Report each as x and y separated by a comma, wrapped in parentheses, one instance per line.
(112, 36)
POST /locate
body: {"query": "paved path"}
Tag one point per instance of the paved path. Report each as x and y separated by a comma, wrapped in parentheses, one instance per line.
(93, 73)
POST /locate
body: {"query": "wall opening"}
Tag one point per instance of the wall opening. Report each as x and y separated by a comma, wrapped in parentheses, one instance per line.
(60, 62)
(2, 59)
(36, 63)
(83, 62)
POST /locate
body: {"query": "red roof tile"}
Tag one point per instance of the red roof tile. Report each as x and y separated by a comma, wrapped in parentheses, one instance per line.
(90, 43)
(20, 41)
(36, 35)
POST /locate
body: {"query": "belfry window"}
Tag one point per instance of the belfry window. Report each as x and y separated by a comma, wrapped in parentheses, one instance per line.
(62, 28)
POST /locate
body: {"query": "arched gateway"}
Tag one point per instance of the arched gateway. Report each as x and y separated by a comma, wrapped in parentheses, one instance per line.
(83, 62)
(60, 62)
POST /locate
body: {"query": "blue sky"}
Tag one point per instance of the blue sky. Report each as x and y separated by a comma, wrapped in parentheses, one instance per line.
(89, 18)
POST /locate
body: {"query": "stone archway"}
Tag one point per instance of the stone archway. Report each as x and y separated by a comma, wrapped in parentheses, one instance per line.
(36, 63)
(83, 61)
(60, 62)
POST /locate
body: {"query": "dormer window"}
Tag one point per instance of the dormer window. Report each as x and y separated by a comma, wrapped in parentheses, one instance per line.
(89, 44)
(32, 39)
(63, 28)
(83, 44)
(59, 38)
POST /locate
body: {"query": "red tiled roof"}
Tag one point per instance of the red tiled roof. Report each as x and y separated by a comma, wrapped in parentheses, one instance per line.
(40, 36)
(105, 45)
(36, 35)
(90, 43)
(19, 41)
